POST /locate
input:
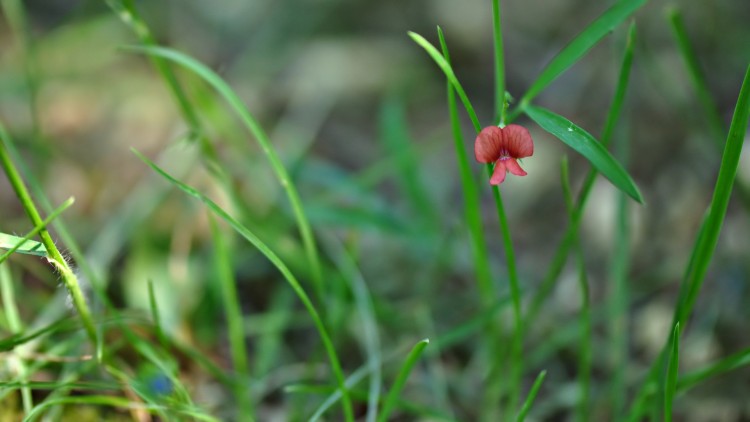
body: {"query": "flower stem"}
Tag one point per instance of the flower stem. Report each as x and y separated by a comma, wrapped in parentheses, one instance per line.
(499, 64)
(516, 361)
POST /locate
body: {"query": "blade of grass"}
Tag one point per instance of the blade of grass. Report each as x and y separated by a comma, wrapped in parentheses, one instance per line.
(698, 79)
(706, 240)
(586, 145)
(530, 398)
(348, 267)
(403, 374)
(582, 43)
(670, 381)
(620, 296)
(613, 116)
(727, 364)
(696, 75)
(395, 136)
(21, 245)
(445, 66)
(233, 315)
(55, 257)
(254, 127)
(16, 327)
(472, 213)
(276, 261)
(26, 246)
(585, 352)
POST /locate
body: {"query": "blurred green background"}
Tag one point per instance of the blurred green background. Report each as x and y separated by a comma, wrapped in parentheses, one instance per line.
(345, 95)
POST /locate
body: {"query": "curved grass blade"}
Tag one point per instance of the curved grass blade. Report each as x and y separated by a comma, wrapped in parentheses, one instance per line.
(365, 308)
(708, 236)
(265, 143)
(696, 75)
(448, 70)
(279, 264)
(670, 384)
(403, 375)
(23, 244)
(586, 145)
(532, 395)
(569, 55)
(729, 363)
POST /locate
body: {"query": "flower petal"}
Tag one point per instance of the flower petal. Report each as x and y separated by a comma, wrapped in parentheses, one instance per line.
(517, 140)
(488, 145)
(499, 174)
(512, 165)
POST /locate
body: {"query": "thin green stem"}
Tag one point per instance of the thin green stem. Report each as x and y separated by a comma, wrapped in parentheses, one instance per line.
(54, 256)
(235, 326)
(516, 361)
(500, 107)
(530, 398)
(585, 353)
(64, 206)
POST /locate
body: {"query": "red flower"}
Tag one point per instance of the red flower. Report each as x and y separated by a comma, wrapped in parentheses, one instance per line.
(503, 146)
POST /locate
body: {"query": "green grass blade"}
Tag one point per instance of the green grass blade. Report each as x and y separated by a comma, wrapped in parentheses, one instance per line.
(585, 352)
(403, 375)
(395, 135)
(23, 244)
(569, 55)
(696, 75)
(445, 66)
(530, 398)
(670, 384)
(586, 145)
(472, 212)
(707, 239)
(279, 264)
(729, 363)
(233, 315)
(365, 309)
(254, 127)
(706, 243)
(561, 254)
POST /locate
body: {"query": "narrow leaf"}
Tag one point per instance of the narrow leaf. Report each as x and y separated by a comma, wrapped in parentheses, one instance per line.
(448, 70)
(673, 366)
(21, 245)
(589, 37)
(532, 395)
(403, 375)
(283, 269)
(588, 146)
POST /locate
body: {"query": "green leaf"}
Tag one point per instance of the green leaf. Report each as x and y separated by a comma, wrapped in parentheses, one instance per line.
(586, 145)
(448, 70)
(590, 36)
(670, 384)
(403, 375)
(29, 247)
